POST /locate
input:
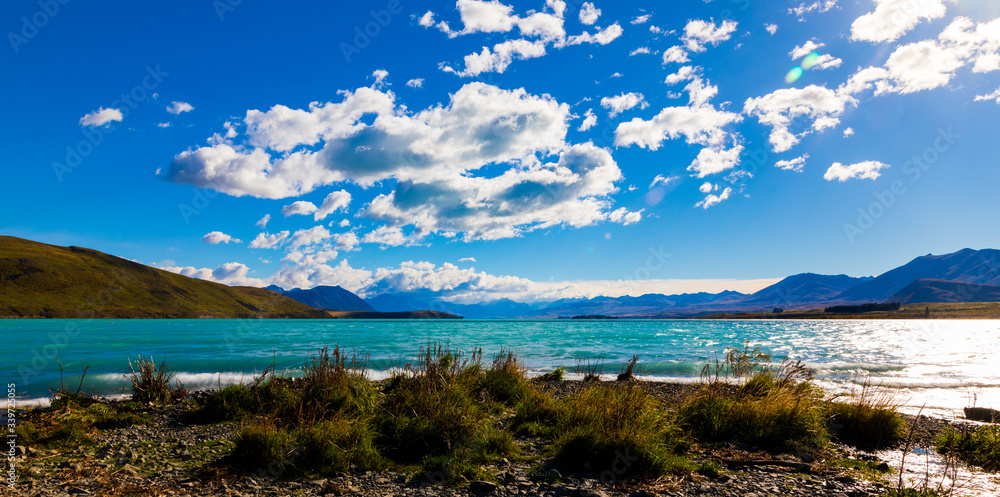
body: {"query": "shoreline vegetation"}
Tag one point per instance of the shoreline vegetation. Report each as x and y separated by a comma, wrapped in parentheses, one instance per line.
(457, 423)
(940, 310)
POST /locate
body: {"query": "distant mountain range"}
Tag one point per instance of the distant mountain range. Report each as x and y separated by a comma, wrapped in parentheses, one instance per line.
(39, 280)
(928, 291)
(333, 298)
(964, 276)
(981, 267)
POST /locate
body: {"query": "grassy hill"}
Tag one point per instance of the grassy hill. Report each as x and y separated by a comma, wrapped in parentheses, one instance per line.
(40, 280)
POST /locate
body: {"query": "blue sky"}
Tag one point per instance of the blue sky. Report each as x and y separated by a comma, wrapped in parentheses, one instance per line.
(529, 149)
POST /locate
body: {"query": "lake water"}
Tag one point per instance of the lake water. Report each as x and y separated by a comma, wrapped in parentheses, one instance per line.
(941, 365)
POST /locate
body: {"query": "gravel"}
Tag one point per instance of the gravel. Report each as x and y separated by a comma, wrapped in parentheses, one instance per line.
(170, 457)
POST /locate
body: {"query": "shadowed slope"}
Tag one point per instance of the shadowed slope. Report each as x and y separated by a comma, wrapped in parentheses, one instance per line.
(40, 280)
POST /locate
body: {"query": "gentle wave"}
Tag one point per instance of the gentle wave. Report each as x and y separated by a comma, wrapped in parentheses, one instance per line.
(940, 363)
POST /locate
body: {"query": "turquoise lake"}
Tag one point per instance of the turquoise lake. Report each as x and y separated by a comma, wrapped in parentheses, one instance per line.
(943, 365)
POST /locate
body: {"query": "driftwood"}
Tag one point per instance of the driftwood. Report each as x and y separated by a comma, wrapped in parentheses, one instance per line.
(982, 414)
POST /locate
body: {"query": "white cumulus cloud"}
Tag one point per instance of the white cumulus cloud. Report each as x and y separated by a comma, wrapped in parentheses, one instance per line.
(663, 180)
(335, 201)
(589, 13)
(299, 208)
(816, 6)
(176, 107)
(805, 49)
(995, 96)
(217, 237)
(862, 170)
(100, 117)
(589, 120)
(892, 19)
(433, 155)
(620, 103)
(230, 273)
(269, 241)
(792, 164)
(537, 31)
(698, 33)
(262, 223)
(713, 199)
(810, 109)
(675, 54)
(715, 160)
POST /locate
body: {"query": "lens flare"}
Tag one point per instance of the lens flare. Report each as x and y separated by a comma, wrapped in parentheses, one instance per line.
(794, 74)
(810, 60)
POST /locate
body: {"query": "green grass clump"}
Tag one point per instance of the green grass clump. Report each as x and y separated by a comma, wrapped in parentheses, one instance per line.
(262, 445)
(775, 419)
(710, 469)
(869, 470)
(537, 415)
(106, 416)
(334, 446)
(149, 382)
(623, 429)
(68, 432)
(231, 403)
(319, 424)
(433, 407)
(913, 492)
(334, 385)
(869, 418)
(557, 374)
(979, 447)
(505, 380)
(71, 419)
(749, 400)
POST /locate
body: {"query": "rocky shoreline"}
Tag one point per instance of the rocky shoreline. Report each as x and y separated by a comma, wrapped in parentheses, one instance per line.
(171, 456)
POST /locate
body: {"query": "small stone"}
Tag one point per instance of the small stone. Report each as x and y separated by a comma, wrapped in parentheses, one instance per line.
(704, 489)
(554, 475)
(318, 483)
(883, 467)
(845, 479)
(482, 487)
